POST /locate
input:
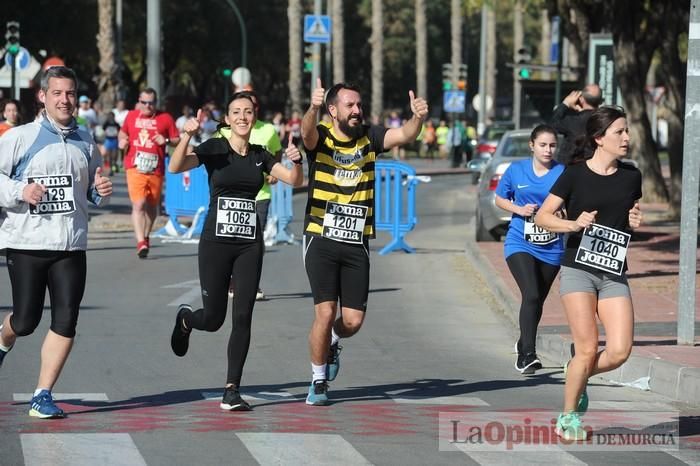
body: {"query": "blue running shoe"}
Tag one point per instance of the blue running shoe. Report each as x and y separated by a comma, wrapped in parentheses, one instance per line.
(43, 407)
(318, 393)
(569, 427)
(333, 362)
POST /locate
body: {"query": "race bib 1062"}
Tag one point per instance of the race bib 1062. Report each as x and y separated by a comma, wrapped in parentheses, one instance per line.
(603, 248)
(146, 162)
(58, 198)
(235, 218)
(344, 222)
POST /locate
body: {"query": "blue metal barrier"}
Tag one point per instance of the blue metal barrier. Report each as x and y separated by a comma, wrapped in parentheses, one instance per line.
(186, 195)
(281, 211)
(394, 210)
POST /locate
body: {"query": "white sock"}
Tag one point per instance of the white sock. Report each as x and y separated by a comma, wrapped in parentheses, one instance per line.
(334, 337)
(3, 347)
(319, 372)
(38, 390)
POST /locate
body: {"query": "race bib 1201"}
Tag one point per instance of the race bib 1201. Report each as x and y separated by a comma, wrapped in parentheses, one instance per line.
(58, 198)
(344, 222)
(235, 218)
(603, 248)
(538, 235)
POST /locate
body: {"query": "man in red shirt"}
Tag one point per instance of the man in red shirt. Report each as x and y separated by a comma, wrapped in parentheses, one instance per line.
(145, 133)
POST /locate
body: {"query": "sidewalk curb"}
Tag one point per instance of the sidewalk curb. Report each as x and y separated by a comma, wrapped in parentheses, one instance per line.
(669, 379)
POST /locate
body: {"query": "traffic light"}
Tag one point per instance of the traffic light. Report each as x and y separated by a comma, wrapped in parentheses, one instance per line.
(12, 37)
(462, 81)
(446, 76)
(308, 58)
(523, 59)
(227, 72)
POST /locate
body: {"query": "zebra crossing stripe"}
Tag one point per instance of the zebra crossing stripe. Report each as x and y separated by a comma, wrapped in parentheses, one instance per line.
(64, 396)
(252, 396)
(301, 449)
(80, 450)
(630, 406)
(518, 458)
(686, 455)
(441, 400)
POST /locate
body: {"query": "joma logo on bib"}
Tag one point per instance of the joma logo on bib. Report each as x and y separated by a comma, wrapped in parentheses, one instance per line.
(235, 218)
(58, 197)
(344, 222)
(603, 248)
(347, 159)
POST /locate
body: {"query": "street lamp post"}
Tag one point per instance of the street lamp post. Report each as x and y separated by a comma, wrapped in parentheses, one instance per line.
(244, 40)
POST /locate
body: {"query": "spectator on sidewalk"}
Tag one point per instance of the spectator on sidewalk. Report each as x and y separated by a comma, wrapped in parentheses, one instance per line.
(10, 114)
(570, 117)
(533, 254)
(601, 197)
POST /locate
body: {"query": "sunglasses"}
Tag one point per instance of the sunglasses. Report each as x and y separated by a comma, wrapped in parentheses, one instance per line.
(147, 102)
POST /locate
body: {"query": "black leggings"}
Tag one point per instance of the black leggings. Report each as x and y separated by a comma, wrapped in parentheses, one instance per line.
(534, 278)
(64, 273)
(217, 263)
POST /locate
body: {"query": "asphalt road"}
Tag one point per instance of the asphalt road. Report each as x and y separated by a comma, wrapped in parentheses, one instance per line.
(433, 358)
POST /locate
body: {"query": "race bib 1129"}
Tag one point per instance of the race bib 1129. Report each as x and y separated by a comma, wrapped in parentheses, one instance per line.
(58, 198)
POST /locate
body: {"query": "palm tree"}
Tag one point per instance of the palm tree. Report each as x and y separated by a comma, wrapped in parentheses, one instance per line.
(377, 43)
(421, 50)
(295, 44)
(455, 39)
(108, 78)
(338, 41)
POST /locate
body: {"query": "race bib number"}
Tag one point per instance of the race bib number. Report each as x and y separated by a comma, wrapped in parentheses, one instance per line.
(58, 198)
(538, 235)
(235, 218)
(603, 248)
(344, 222)
(146, 162)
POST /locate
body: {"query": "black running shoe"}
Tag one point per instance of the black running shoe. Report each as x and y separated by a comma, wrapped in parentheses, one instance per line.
(180, 339)
(528, 363)
(232, 400)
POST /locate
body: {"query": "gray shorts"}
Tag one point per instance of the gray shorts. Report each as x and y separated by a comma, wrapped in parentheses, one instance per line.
(574, 280)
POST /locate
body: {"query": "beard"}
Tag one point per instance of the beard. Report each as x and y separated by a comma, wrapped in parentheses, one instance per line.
(355, 132)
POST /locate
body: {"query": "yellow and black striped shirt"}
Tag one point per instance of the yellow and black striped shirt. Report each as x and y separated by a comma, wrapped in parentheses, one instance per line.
(342, 171)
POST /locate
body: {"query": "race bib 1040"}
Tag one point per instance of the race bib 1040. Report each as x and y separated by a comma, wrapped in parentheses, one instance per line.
(344, 222)
(235, 218)
(603, 248)
(58, 198)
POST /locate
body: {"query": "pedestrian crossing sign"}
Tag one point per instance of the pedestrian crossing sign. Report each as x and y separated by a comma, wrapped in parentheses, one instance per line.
(454, 101)
(317, 29)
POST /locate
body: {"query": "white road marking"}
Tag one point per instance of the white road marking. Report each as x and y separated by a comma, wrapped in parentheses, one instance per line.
(301, 449)
(440, 400)
(64, 396)
(80, 450)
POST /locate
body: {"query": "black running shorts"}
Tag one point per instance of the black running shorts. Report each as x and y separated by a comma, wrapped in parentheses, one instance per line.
(337, 271)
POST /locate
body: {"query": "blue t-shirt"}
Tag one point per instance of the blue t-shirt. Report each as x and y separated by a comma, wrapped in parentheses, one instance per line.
(521, 185)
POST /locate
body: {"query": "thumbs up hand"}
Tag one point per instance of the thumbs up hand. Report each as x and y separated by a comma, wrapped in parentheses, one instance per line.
(419, 106)
(292, 153)
(103, 185)
(318, 94)
(191, 126)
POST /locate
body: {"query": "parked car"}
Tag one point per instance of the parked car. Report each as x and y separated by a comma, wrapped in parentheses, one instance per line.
(491, 221)
(488, 140)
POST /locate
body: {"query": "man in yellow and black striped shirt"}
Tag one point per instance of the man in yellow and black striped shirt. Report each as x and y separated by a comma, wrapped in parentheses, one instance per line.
(339, 217)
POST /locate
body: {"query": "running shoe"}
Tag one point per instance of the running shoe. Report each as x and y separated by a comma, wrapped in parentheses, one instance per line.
(233, 401)
(43, 407)
(333, 362)
(180, 339)
(569, 427)
(259, 296)
(527, 364)
(582, 405)
(142, 249)
(318, 393)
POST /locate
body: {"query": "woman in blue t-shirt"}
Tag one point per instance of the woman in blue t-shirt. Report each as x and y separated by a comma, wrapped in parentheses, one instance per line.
(532, 253)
